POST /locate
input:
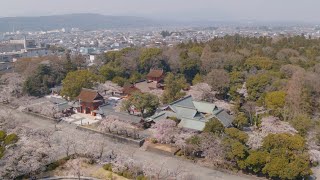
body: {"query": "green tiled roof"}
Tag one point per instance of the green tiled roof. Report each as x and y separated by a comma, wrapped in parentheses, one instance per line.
(186, 112)
(193, 114)
(204, 107)
(186, 102)
(192, 124)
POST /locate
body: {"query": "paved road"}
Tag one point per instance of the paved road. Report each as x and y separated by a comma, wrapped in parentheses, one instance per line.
(138, 154)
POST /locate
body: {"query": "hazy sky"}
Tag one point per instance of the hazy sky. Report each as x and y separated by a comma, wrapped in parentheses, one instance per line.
(212, 10)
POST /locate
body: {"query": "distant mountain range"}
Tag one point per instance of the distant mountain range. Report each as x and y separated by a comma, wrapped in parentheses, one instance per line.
(87, 21)
(82, 21)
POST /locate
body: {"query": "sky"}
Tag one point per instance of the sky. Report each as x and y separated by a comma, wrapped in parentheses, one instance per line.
(187, 10)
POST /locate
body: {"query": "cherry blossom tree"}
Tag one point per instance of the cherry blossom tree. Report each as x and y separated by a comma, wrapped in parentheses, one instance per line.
(164, 131)
(108, 88)
(75, 166)
(29, 155)
(158, 170)
(45, 108)
(202, 92)
(182, 137)
(113, 124)
(269, 125)
(11, 86)
(212, 149)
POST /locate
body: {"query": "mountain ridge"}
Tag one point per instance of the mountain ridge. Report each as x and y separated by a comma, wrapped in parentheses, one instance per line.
(85, 21)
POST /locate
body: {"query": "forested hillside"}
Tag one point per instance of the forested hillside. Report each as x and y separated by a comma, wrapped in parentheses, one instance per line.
(271, 86)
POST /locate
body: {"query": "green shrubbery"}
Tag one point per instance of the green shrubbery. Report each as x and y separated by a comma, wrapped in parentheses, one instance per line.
(282, 156)
(56, 164)
(3, 135)
(154, 140)
(2, 149)
(214, 126)
(6, 140)
(141, 177)
(108, 167)
(11, 139)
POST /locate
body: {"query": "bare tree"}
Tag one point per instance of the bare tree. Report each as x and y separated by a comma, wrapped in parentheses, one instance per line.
(250, 108)
(294, 93)
(218, 79)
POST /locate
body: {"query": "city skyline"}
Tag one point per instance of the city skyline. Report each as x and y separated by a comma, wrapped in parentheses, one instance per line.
(190, 10)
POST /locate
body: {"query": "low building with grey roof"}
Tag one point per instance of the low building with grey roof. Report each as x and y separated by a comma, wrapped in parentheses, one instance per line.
(193, 114)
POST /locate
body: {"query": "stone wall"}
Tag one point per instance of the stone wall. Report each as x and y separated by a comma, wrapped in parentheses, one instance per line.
(115, 137)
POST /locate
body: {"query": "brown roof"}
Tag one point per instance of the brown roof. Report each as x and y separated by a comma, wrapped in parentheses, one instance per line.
(155, 73)
(88, 95)
(129, 89)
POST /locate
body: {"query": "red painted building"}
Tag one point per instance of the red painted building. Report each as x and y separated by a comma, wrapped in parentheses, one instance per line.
(156, 75)
(89, 101)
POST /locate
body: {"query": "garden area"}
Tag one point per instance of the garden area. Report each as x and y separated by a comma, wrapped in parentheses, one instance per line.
(79, 167)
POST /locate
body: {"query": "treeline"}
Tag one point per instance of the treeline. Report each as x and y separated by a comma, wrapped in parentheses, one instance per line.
(270, 67)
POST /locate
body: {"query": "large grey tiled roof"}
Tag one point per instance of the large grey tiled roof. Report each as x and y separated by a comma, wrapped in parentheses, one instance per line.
(107, 110)
(193, 114)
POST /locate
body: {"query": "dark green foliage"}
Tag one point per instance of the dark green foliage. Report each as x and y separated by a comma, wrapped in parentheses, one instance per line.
(68, 65)
(241, 120)
(282, 156)
(77, 80)
(54, 165)
(257, 84)
(214, 126)
(148, 57)
(287, 141)
(119, 80)
(190, 68)
(197, 79)
(302, 123)
(175, 119)
(174, 85)
(11, 139)
(236, 151)
(42, 80)
(108, 167)
(127, 174)
(2, 150)
(146, 103)
(256, 161)
(141, 177)
(259, 63)
(234, 133)
(112, 70)
(3, 135)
